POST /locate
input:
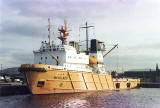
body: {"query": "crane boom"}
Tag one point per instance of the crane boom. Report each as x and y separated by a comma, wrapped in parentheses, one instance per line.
(54, 57)
(111, 50)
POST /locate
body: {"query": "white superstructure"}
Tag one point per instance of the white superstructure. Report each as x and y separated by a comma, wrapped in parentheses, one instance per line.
(68, 55)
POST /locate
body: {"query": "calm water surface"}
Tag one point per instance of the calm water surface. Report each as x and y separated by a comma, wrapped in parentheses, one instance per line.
(135, 98)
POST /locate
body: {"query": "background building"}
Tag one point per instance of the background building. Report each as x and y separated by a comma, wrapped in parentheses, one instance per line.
(146, 75)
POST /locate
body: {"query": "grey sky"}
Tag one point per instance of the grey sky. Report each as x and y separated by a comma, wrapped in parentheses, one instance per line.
(133, 24)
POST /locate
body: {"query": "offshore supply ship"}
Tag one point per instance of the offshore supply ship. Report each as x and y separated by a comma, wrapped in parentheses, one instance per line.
(64, 68)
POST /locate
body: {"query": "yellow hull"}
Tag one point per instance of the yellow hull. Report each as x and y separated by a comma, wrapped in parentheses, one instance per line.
(46, 79)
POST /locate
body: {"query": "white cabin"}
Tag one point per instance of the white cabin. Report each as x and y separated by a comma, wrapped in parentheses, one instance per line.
(68, 56)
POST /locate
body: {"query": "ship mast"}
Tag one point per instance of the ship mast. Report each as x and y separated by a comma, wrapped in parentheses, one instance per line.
(86, 27)
(49, 32)
(63, 33)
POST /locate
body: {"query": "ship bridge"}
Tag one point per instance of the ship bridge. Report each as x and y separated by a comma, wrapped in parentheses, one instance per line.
(66, 54)
(69, 56)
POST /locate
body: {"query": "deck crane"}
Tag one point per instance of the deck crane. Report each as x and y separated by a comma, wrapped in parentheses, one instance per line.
(54, 57)
(115, 46)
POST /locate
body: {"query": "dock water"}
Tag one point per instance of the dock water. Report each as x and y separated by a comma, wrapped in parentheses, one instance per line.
(7, 89)
(135, 98)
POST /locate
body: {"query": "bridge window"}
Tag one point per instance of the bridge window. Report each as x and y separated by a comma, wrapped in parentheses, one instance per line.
(41, 58)
(45, 57)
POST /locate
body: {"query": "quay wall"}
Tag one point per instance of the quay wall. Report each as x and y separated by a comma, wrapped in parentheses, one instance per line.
(6, 90)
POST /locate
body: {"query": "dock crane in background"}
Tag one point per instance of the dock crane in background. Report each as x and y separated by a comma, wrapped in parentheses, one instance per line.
(115, 46)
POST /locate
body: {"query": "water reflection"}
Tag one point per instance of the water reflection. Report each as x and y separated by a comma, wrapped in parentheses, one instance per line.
(75, 100)
(135, 98)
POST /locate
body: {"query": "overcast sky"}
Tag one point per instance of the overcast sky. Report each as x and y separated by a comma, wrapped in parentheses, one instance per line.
(133, 24)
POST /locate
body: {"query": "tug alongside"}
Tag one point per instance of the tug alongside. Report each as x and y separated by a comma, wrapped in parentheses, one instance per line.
(64, 68)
